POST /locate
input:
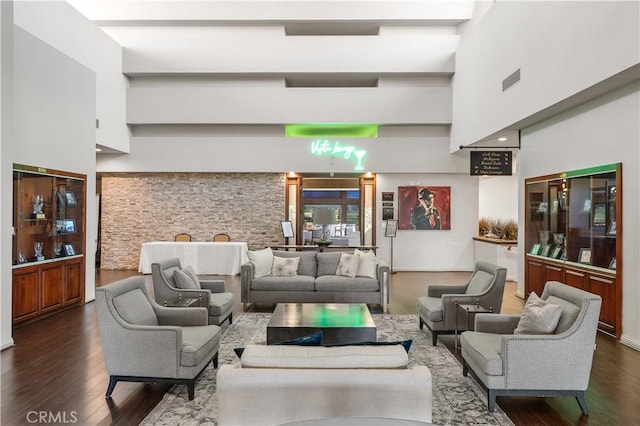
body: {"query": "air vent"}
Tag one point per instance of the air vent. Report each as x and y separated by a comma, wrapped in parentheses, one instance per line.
(331, 80)
(511, 80)
(331, 29)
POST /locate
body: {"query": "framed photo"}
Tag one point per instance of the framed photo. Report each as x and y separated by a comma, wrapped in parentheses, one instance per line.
(387, 196)
(546, 250)
(612, 228)
(21, 258)
(69, 250)
(69, 226)
(387, 213)
(287, 228)
(535, 249)
(391, 228)
(584, 256)
(612, 265)
(557, 252)
(71, 198)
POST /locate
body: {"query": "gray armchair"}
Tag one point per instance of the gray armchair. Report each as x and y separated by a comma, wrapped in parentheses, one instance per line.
(219, 303)
(145, 342)
(557, 364)
(438, 308)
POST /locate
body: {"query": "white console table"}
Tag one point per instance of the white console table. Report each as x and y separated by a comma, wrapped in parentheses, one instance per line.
(216, 258)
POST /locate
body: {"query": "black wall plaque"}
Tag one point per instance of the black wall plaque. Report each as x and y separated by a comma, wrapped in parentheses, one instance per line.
(491, 163)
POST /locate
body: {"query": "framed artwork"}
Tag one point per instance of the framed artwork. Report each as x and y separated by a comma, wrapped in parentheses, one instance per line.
(545, 250)
(287, 228)
(69, 250)
(21, 258)
(391, 229)
(71, 198)
(424, 208)
(557, 252)
(612, 228)
(69, 226)
(612, 265)
(584, 256)
(535, 249)
(387, 196)
(387, 213)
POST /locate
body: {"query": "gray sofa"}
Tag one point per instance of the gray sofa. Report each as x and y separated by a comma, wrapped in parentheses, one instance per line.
(316, 282)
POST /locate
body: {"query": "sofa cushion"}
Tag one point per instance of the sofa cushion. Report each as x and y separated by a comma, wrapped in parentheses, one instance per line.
(297, 283)
(197, 343)
(328, 263)
(285, 267)
(307, 264)
(134, 307)
(368, 266)
(262, 261)
(348, 266)
(484, 349)
(480, 282)
(340, 283)
(430, 308)
(538, 316)
(273, 356)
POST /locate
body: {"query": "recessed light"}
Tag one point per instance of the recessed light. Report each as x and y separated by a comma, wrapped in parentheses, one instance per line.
(502, 139)
(98, 149)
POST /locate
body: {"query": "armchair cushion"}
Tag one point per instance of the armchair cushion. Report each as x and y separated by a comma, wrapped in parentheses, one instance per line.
(220, 303)
(480, 282)
(539, 316)
(134, 308)
(569, 315)
(430, 307)
(197, 343)
(484, 349)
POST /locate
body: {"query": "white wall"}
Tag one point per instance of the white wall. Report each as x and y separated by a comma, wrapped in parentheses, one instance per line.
(450, 250)
(603, 131)
(561, 47)
(54, 111)
(66, 30)
(498, 197)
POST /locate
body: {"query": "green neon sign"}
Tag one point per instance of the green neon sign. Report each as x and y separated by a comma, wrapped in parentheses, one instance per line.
(324, 147)
(328, 130)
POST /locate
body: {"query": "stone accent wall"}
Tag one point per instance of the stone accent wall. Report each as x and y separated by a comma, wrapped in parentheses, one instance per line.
(143, 207)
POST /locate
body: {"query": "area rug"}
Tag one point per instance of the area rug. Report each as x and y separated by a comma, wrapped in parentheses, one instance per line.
(456, 399)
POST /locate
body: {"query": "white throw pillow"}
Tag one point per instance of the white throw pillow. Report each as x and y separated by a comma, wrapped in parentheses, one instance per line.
(262, 261)
(348, 266)
(538, 317)
(368, 266)
(285, 266)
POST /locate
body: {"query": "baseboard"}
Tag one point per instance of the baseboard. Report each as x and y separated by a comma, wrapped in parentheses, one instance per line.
(401, 269)
(7, 345)
(632, 343)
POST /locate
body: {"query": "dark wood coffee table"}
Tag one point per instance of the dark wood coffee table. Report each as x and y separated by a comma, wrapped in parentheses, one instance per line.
(340, 323)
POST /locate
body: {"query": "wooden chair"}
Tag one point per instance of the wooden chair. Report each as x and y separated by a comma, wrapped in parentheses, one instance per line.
(221, 238)
(182, 237)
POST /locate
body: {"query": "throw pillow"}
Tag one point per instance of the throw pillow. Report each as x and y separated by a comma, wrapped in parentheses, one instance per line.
(262, 261)
(368, 266)
(314, 339)
(406, 344)
(285, 266)
(348, 266)
(192, 274)
(538, 317)
(183, 280)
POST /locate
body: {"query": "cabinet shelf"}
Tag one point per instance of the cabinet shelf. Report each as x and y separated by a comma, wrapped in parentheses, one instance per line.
(573, 221)
(48, 265)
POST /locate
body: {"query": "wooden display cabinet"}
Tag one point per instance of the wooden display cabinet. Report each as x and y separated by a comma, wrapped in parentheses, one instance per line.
(573, 234)
(48, 241)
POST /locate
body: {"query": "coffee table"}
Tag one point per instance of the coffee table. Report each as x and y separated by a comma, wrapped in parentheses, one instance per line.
(340, 323)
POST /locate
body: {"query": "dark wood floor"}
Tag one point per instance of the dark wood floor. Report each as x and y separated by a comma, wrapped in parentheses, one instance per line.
(56, 369)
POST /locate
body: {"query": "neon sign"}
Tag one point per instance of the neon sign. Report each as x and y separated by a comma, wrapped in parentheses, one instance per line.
(326, 147)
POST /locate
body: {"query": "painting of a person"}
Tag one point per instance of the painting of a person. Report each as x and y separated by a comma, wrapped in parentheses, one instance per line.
(425, 215)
